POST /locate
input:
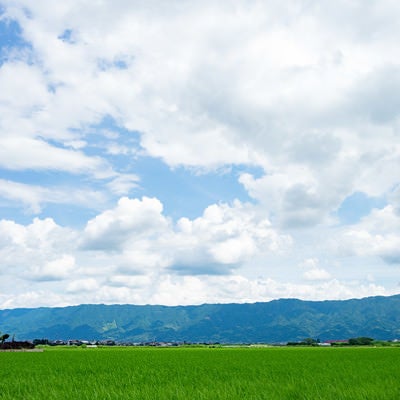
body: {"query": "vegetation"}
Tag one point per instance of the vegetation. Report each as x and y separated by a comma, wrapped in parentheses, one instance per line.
(275, 321)
(360, 341)
(13, 345)
(202, 373)
(4, 337)
(305, 342)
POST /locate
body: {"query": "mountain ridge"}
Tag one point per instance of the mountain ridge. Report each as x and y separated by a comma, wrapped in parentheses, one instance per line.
(274, 321)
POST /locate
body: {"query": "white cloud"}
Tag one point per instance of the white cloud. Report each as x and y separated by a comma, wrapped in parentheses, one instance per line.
(39, 252)
(317, 274)
(55, 270)
(131, 220)
(312, 270)
(132, 282)
(139, 236)
(376, 235)
(215, 289)
(33, 197)
(33, 298)
(310, 263)
(123, 183)
(190, 290)
(295, 94)
(18, 153)
(306, 92)
(44, 261)
(40, 235)
(83, 285)
(223, 238)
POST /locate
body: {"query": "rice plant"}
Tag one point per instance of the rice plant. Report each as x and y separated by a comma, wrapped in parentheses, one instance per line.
(201, 373)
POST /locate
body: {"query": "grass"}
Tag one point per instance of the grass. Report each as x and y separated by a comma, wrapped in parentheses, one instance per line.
(201, 373)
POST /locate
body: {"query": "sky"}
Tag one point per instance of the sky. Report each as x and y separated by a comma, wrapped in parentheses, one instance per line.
(190, 152)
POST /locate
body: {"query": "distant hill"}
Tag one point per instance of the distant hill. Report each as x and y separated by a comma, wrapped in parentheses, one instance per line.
(274, 321)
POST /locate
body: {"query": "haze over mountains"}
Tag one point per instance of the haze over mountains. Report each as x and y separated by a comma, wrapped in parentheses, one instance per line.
(275, 321)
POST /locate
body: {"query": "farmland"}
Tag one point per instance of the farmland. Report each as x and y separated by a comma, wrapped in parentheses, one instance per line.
(201, 373)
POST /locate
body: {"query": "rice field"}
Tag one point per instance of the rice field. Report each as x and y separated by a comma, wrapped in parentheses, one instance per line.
(201, 373)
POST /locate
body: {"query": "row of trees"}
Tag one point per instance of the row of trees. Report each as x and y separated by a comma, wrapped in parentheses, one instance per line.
(13, 345)
(358, 341)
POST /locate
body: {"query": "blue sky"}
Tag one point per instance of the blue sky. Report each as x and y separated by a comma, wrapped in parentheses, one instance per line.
(168, 154)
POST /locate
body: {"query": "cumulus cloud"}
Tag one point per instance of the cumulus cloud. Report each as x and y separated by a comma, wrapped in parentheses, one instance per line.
(44, 253)
(376, 235)
(40, 235)
(131, 220)
(214, 87)
(54, 270)
(33, 255)
(237, 288)
(294, 196)
(221, 239)
(307, 93)
(312, 270)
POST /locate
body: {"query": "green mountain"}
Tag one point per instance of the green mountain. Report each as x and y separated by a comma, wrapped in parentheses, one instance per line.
(274, 321)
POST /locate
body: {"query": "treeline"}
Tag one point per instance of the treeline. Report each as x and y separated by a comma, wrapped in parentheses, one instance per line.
(13, 344)
(358, 341)
(361, 341)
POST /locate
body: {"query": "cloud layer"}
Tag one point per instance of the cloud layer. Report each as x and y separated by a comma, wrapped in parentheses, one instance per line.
(299, 99)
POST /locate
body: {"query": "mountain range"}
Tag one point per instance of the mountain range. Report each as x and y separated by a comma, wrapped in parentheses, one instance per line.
(275, 321)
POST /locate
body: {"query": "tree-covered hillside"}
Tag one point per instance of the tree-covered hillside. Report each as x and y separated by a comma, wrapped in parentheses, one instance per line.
(275, 321)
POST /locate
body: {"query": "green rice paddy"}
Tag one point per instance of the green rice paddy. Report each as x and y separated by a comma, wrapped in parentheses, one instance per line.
(201, 373)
